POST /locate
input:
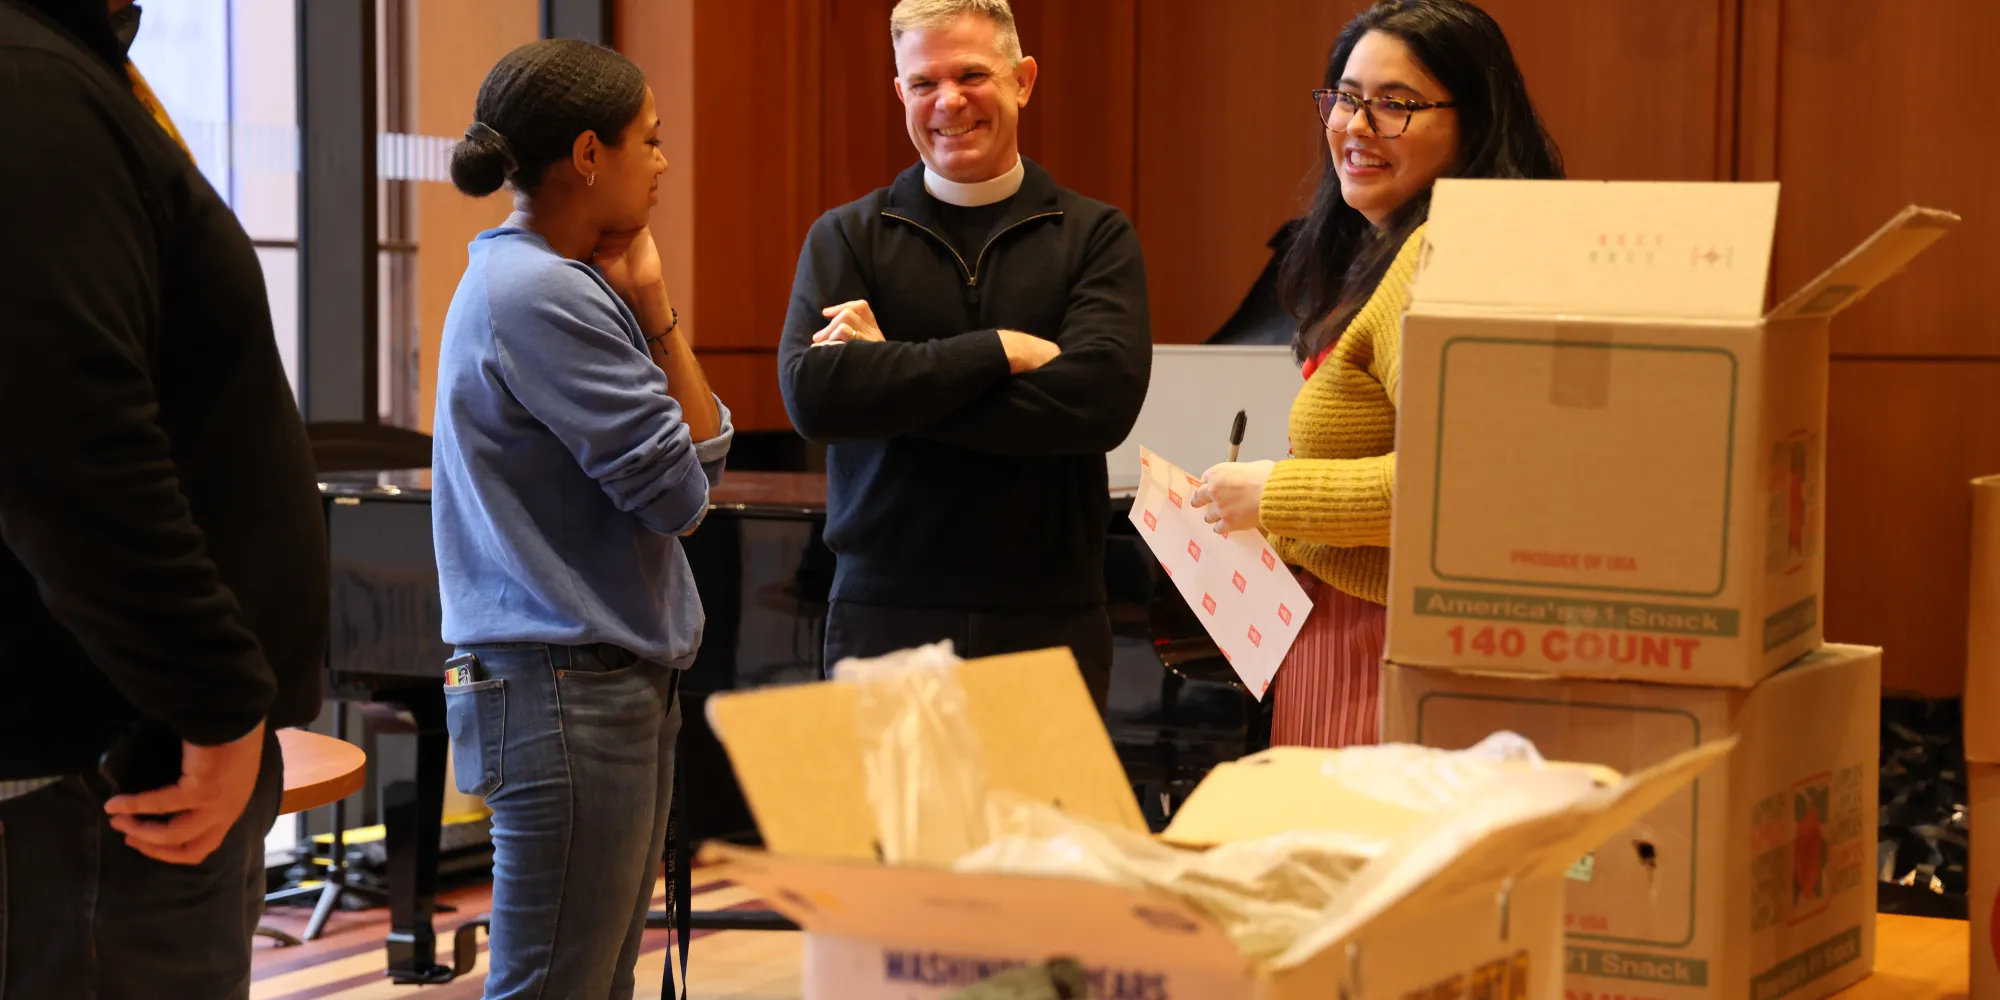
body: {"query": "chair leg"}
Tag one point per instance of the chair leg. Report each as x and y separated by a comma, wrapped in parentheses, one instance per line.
(329, 895)
(284, 940)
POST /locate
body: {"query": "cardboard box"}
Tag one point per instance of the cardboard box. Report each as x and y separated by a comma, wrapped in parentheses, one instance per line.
(1706, 896)
(1982, 635)
(1982, 899)
(1466, 911)
(1609, 457)
(1982, 742)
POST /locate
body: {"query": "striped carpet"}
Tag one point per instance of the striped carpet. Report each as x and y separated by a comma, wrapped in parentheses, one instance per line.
(346, 962)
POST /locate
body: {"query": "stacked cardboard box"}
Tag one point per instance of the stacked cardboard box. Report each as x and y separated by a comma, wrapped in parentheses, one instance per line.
(1982, 738)
(1608, 525)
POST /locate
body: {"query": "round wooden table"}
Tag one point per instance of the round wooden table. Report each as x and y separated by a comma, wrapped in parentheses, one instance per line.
(319, 771)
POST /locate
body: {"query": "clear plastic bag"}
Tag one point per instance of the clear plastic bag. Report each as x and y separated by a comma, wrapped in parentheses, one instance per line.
(927, 785)
(926, 772)
(1264, 893)
(1425, 780)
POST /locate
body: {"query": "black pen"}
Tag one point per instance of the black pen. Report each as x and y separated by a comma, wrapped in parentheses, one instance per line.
(1236, 433)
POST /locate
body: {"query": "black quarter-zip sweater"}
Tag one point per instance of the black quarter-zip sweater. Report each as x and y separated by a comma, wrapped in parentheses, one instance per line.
(952, 482)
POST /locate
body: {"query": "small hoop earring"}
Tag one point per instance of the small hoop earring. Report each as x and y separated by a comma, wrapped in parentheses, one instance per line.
(590, 181)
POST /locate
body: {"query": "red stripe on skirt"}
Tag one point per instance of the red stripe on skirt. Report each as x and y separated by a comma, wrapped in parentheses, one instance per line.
(1328, 691)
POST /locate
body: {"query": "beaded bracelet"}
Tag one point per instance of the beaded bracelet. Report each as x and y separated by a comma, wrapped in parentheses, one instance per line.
(673, 323)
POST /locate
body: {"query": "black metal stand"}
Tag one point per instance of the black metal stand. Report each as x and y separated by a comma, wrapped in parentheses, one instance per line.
(413, 819)
(329, 890)
(335, 885)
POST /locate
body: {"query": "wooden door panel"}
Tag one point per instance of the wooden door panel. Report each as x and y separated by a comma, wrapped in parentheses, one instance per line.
(1228, 148)
(1877, 107)
(1903, 440)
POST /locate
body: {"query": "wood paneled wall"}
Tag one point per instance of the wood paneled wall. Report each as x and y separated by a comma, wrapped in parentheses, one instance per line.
(448, 78)
(1192, 116)
(1229, 148)
(1858, 108)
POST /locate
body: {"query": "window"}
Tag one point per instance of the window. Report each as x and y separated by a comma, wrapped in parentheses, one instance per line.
(227, 71)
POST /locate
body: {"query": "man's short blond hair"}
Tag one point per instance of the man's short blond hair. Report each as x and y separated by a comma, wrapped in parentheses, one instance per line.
(913, 15)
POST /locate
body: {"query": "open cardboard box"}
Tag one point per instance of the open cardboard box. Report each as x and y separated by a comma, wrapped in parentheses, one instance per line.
(1448, 906)
(1609, 456)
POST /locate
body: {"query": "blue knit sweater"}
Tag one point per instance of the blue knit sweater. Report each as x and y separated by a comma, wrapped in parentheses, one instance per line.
(562, 473)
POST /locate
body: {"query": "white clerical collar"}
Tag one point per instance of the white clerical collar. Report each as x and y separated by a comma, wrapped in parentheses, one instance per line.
(975, 194)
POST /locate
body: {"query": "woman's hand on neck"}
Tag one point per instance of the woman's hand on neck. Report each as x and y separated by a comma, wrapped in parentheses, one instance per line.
(628, 259)
(630, 264)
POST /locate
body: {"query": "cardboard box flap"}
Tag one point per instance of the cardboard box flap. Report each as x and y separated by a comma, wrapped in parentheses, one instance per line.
(1286, 788)
(1279, 790)
(1535, 830)
(975, 914)
(1982, 654)
(1877, 259)
(1698, 251)
(797, 752)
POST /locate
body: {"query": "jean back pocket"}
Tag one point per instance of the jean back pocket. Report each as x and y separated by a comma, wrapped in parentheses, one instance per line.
(476, 715)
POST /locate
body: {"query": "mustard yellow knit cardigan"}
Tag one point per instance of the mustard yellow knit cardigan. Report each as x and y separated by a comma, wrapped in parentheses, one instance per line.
(1326, 509)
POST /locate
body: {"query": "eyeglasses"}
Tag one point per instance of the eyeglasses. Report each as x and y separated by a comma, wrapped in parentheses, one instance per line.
(1388, 117)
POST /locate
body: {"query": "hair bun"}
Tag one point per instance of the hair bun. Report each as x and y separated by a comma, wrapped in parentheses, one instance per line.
(478, 167)
(533, 105)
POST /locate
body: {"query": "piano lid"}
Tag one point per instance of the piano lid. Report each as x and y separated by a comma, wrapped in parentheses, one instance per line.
(379, 484)
(793, 494)
(756, 494)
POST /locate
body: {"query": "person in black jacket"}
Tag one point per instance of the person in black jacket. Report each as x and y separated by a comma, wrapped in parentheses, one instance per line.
(970, 340)
(163, 575)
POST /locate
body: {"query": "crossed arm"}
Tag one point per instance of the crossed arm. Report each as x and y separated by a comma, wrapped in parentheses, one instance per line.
(567, 360)
(970, 389)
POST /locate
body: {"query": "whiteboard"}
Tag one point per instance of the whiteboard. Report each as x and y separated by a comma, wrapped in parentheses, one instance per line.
(1195, 393)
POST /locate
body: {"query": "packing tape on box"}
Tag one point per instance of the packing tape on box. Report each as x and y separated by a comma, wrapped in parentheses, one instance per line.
(1580, 366)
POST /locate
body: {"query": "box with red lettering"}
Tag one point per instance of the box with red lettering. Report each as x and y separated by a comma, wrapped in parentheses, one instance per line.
(1609, 455)
(1758, 880)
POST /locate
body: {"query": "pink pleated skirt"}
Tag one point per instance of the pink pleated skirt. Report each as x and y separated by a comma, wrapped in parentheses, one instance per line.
(1328, 691)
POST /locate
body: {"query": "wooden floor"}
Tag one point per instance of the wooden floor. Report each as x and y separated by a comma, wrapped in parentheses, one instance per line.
(1917, 958)
(346, 962)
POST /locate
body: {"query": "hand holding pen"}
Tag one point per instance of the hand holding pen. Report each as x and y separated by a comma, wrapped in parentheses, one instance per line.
(1230, 493)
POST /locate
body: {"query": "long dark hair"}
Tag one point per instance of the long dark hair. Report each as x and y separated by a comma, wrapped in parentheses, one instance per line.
(1336, 258)
(536, 100)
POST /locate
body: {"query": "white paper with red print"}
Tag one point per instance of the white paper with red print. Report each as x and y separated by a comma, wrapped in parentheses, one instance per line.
(1245, 597)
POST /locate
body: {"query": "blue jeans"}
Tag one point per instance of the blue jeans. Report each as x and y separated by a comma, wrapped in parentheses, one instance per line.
(83, 915)
(573, 749)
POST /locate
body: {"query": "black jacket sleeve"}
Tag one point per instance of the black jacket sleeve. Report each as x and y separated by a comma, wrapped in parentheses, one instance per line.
(866, 389)
(90, 502)
(1087, 399)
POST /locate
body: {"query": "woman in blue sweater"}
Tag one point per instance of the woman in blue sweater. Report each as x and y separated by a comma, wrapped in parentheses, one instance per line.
(575, 440)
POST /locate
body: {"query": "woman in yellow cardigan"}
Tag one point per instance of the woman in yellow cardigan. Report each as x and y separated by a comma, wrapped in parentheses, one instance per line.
(1415, 90)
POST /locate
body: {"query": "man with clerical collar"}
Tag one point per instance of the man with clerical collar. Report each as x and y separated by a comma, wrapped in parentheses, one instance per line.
(970, 340)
